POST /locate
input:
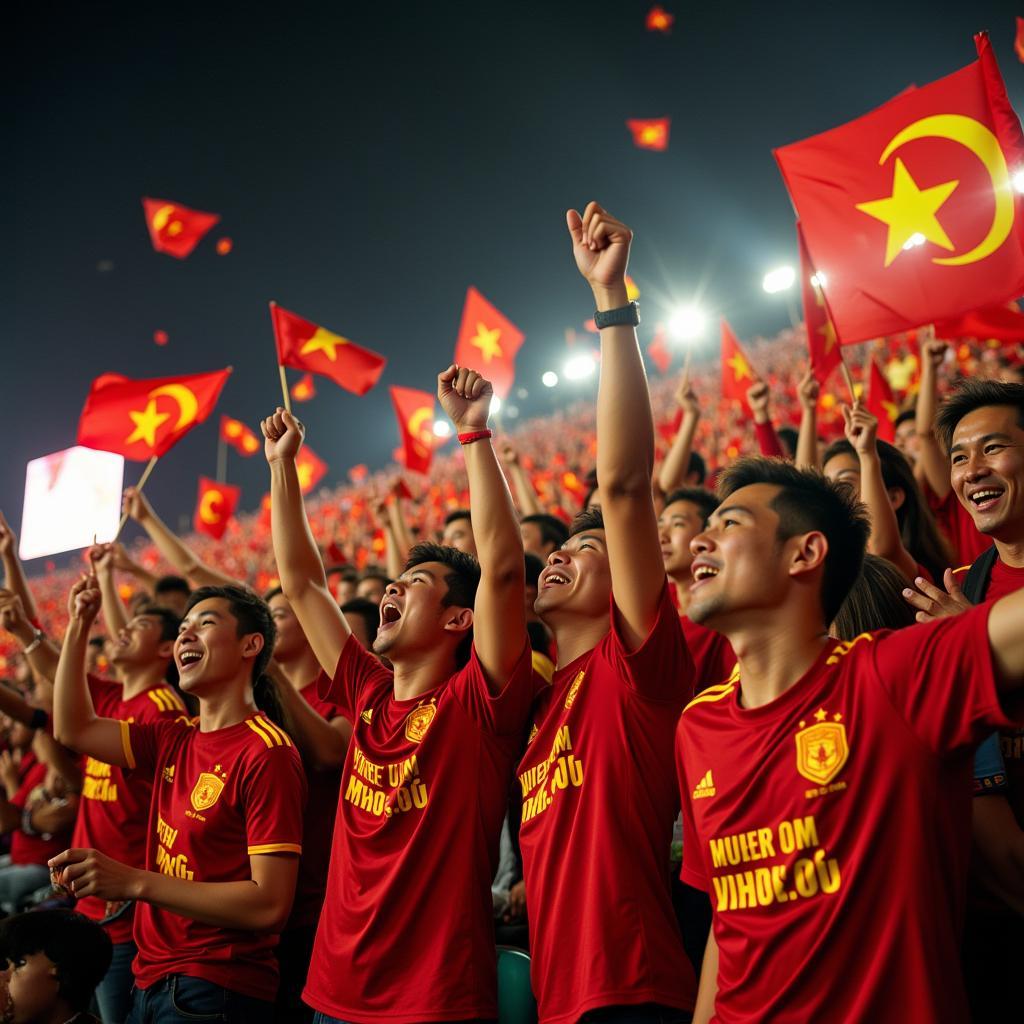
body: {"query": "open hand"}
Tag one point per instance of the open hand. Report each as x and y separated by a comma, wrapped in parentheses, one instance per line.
(933, 602)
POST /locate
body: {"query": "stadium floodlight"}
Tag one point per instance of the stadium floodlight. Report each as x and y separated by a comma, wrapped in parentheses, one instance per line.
(579, 367)
(442, 428)
(687, 322)
(818, 280)
(1018, 181)
(778, 280)
(549, 379)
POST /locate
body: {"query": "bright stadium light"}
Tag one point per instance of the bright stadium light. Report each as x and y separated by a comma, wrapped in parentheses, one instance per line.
(915, 239)
(579, 367)
(549, 379)
(1018, 181)
(818, 280)
(442, 428)
(778, 280)
(495, 404)
(687, 322)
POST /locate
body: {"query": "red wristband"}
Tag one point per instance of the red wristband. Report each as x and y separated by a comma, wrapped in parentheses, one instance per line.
(475, 435)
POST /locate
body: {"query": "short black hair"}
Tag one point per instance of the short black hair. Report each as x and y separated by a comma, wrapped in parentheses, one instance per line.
(346, 572)
(699, 466)
(591, 518)
(79, 948)
(169, 621)
(456, 514)
(462, 578)
(367, 610)
(971, 394)
(808, 501)
(790, 438)
(373, 572)
(534, 567)
(552, 529)
(251, 612)
(907, 414)
(171, 585)
(705, 500)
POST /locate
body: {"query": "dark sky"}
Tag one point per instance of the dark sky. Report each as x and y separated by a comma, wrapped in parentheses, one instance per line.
(371, 161)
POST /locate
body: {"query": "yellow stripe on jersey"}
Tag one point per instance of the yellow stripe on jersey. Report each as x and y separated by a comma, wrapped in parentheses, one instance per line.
(276, 848)
(270, 742)
(963, 568)
(126, 744)
(177, 704)
(275, 730)
(712, 693)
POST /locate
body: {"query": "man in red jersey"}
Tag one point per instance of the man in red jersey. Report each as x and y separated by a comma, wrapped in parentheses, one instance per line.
(225, 821)
(827, 780)
(406, 933)
(596, 779)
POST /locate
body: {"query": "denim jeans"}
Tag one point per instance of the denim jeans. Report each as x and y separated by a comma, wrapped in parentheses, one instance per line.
(114, 992)
(18, 881)
(179, 998)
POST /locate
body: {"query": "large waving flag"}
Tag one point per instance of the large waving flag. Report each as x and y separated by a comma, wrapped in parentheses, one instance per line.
(415, 413)
(1004, 323)
(140, 419)
(822, 342)
(215, 505)
(175, 229)
(488, 342)
(737, 373)
(910, 211)
(881, 402)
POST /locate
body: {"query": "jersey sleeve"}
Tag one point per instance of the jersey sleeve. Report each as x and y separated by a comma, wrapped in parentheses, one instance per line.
(989, 769)
(941, 679)
(144, 742)
(661, 668)
(694, 870)
(502, 714)
(357, 671)
(105, 695)
(274, 795)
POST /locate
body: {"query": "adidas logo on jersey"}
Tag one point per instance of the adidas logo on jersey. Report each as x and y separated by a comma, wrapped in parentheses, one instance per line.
(706, 786)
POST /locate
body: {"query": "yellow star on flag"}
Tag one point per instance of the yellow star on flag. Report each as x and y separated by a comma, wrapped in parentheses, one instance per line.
(821, 714)
(828, 332)
(892, 409)
(837, 717)
(487, 341)
(304, 471)
(146, 424)
(323, 341)
(740, 367)
(910, 211)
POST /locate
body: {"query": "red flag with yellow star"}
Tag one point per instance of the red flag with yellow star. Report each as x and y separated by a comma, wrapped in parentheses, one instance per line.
(140, 419)
(215, 505)
(881, 402)
(239, 436)
(821, 335)
(175, 229)
(415, 412)
(650, 133)
(305, 345)
(737, 373)
(488, 342)
(1004, 323)
(310, 468)
(303, 390)
(909, 210)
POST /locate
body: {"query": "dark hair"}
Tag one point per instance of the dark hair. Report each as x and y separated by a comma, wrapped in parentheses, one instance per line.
(462, 578)
(171, 585)
(169, 621)
(808, 501)
(534, 567)
(705, 501)
(373, 572)
(97, 641)
(368, 611)
(272, 593)
(918, 530)
(552, 529)
(346, 572)
(973, 394)
(699, 466)
(907, 414)
(253, 616)
(790, 438)
(590, 518)
(456, 514)
(875, 601)
(79, 948)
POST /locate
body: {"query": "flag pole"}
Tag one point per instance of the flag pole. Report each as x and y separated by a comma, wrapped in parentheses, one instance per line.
(686, 362)
(222, 460)
(138, 489)
(284, 389)
(848, 378)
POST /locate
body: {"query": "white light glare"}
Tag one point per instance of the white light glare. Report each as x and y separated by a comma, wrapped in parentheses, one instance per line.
(549, 379)
(579, 367)
(1018, 181)
(915, 239)
(818, 280)
(687, 322)
(778, 280)
(495, 404)
(442, 428)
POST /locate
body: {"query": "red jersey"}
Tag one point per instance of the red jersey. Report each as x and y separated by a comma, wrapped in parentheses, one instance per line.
(114, 812)
(218, 798)
(957, 526)
(599, 801)
(713, 656)
(406, 934)
(832, 827)
(25, 848)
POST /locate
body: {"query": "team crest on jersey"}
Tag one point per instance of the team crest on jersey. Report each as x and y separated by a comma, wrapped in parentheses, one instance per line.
(418, 722)
(168, 773)
(570, 697)
(821, 748)
(206, 792)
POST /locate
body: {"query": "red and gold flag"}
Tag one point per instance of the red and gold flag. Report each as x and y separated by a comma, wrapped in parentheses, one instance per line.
(659, 351)
(239, 436)
(310, 468)
(215, 505)
(650, 133)
(659, 20)
(303, 390)
(175, 229)
(737, 373)
(488, 342)
(910, 211)
(1004, 323)
(140, 419)
(305, 345)
(415, 412)
(357, 474)
(821, 335)
(881, 402)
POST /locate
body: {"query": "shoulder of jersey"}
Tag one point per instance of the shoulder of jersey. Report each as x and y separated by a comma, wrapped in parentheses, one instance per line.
(716, 694)
(270, 734)
(167, 700)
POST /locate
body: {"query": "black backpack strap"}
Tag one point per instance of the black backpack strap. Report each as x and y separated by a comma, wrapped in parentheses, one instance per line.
(977, 576)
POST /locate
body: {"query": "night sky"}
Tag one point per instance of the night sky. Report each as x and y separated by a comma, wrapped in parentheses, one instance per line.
(370, 162)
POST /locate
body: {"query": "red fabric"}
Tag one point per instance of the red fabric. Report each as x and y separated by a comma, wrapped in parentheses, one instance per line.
(659, 352)
(713, 656)
(957, 526)
(415, 412)
(142, 418)
(875, 286)
(305, 345)
(215, 505)
(303, 390)
(310, 468)
(881, 402)
(822, 342)
(650, 133)
(26, 849)
(598, 806)
(424, 793)
(218, 797)
(659, 20)
(768, 441)
(114, 811)
(488, 342)
(825, 869)
(1018, 42)
(175, 229)
(737, 375)
(1005, 323)
(239, 436)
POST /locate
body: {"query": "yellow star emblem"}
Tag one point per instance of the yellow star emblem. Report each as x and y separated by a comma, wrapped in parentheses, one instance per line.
(910, 211)
(892, 409)
(821, 714)
(740, 367)
(837, 717)
(146, 424)
(487, 342)
(323, 341)
(828, 332)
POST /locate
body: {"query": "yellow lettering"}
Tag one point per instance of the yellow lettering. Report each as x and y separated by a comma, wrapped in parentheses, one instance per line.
(721, 891)
(806, 833)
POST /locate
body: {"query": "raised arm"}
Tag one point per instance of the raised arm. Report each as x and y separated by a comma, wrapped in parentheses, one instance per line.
(115, 615)
(625, 430)
(759, 400)
(299, 567)
(672, 474)
(499, 612)
(522, 486)
(322, 744)
(397, 536)
(75, 722)
(40, 652)
(170, 545)
(14, 572)
(807, 456)
(933, 460)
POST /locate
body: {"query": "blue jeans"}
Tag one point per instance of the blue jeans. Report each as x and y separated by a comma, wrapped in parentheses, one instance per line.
(114, 992)
(20, 880)
(179, 998)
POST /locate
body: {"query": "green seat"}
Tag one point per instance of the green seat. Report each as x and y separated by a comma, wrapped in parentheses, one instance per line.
(516, 1004)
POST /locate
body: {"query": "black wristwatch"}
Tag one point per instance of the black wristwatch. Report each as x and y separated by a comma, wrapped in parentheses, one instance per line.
(625, 316)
